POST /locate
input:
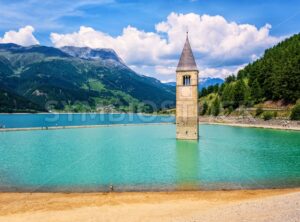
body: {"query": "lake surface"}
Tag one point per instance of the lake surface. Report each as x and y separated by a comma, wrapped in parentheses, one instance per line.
(148, 157)
(80, 119)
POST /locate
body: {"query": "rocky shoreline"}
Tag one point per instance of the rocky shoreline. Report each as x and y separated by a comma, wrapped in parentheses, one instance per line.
(249, 121)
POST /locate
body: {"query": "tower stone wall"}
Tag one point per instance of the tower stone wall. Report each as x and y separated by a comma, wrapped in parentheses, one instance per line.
(187, 126)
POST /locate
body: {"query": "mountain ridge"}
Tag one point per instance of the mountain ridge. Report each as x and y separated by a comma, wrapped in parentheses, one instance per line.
(203, 82)
(92, 54)
(42, 74)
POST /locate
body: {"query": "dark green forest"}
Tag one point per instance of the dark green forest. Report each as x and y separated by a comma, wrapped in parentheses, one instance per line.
(12, 103)
(275, 76)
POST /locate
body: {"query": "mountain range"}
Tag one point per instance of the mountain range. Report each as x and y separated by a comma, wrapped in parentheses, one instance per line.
(203, 82)
(206, 82)
(41, 78)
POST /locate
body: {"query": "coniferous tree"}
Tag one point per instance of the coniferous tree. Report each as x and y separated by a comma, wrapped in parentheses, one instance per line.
(204, 108)
(256, 92)
(203, 92)
(230, 78)
(221, 89)
(215, 110)
(216, 88)
(228, 95)
(241, 94)
(210, 89)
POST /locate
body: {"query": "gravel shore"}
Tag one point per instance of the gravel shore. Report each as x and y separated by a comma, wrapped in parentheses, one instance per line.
(246, 121)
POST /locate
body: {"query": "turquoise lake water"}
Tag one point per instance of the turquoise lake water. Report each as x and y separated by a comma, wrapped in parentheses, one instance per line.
(148, 157)
(80, 119)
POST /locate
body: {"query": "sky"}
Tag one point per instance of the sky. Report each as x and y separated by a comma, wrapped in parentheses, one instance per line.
(148, 35)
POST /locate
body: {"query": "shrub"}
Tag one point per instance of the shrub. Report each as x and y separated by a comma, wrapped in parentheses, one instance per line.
(295, 114)
(268, 115)
(209, 110)
(229, 110)
(258, 111)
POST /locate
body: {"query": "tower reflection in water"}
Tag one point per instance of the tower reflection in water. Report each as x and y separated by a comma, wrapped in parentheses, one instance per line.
(187, 159)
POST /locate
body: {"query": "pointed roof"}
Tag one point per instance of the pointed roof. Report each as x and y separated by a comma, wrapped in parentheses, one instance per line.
(187, 60)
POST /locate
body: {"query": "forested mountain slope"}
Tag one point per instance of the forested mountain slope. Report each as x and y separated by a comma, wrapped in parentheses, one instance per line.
(273, 77)
(78, 79)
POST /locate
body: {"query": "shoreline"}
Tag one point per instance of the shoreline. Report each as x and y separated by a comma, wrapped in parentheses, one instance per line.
(253, 126)
(237, 205)
(246, 122)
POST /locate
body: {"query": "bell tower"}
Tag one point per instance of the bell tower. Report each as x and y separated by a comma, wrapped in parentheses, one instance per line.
(187, 95)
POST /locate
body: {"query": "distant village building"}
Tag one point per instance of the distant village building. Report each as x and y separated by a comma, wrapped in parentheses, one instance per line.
(187, 95)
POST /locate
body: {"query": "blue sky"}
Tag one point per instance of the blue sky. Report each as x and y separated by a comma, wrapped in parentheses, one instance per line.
(107, 19)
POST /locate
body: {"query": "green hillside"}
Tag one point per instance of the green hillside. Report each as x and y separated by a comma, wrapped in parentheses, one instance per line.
(274, 77)
(53, 79)
(277, 74)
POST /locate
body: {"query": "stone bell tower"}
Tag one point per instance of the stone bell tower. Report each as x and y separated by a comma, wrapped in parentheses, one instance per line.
(187, 95)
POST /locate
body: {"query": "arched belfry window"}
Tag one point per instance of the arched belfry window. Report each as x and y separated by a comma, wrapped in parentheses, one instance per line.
(186, 80)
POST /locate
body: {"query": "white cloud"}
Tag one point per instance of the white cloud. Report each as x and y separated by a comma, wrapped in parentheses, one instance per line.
(165, 70)
(220, 72)
(134, 46)
(218, 44)
(215, 38)
(24, 36)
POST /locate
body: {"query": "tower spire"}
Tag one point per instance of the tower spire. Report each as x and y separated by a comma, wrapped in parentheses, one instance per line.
(187, 60)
